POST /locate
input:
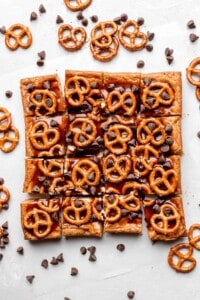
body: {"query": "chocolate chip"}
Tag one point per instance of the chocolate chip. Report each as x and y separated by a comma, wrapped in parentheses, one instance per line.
(167, 165)
(59, 19)
(36, 189)
(93, 190)
(165, 96)
(120, 247)
(6, 240)
(169, 141)
(161, 159)
(40, 63)
(46, 85)
(74, 271)
(149, 47)
(168, 51)
(49, 102)
(92, 257)
(140, 21)
(120, 89)
(42, 9)
(84, 22)
(150, 35)
(150, 101)
(198, 134)
(54, 123)
(83, 250)
(80, 16)
(170, 59)
(168, 128)
(133, 216)
(60, 257)
(117, 20)
(54, 261)
(147, 81)
(66, 298)
(111, 87)
(1, 256)
(151, 126)
(165, 148)
(140, 64)
(5, 206)
(131, 294)
(45, 263)
(33, 16)
(3, 30)
(1, 180)
(92, 249)
(94, 18)
(134, 88)
(30, 87)
(191, 24)
(156, 208)
(111, 136)
(193, 37)
(5, 225)
(30, 278)
(78, 203)
(8, 94)
(124, 17)
(20, 250)
(42, 54)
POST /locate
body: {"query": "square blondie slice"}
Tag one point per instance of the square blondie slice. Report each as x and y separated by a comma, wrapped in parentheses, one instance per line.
(82, 216)
(42, 95)
(40, 219)
(123, 214)
(46, 136)
(121, 91)
(164, 218)
(161, 94)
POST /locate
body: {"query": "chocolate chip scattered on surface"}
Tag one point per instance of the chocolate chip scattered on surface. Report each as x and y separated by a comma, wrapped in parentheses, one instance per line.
(42, 9)
(20, 250)
(30, 278)
(193, 37)
(45, 263)
(120, 247)
(83, 250)
(131, 294)
(59, 19)
(33, 16)
(191, 24)
(8, 94)
(74, 271)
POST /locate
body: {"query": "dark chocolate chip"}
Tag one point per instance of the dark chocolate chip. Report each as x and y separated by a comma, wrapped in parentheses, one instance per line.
(193, 37)
(168, 128)
(131, 294)
(111, 135)
(149, 47)
(165, 148)
(140, 64)
(161, 159)
(8, 94)
(40, 63)
(110, 163)
(1, 256)
(132, 216)
(45, 263)
(124, 212)
(94, 85)
(54, 123)
(93, 190)
(5, 225)
(78, 203)
(83, 250)
(84, 22)
(42, 9)
(6, 240)
(198, 134)
(120, 247)
(59, 19)
(74, 271)
(60, 257)
(111, 87)
(191, 24)
(30, 278)
(81, 138)
(167, 165)
(1, 180)
(147, 81)
(67, 298)
(30, 87)
(46, 85)
(94, 18)
(92, 257)
(36, 189)
(5, 206)
(134, 88)
(54, 261)
(120, 89)
(49, 102)
(168, 51)
(3, 30)
(92, 249)
(156, 208)
(117, 20)
(80, 16)
(33, 16)
(124, 17)
(151, 126)
(169, 141)
(150, 35)
(140, 21)
(170, 59)
(42, 54)
(20, 250)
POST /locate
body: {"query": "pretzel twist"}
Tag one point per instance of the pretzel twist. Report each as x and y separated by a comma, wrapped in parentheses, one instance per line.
(4, 196)
(46, 104)
(194, 239)
(50, 168)
(77, 214)
(17, 33)
(9, 139)
(86, 172)
(56, 150)
(116, 101)
(163, 182)
(147, 135)
(193, 72)
(113, 211)
(39, 221)
(130, 202)
(116, 168)
(79, 129)
(131, 37)
(162, 222)
(161, 93)
(75, 90)
(136, 188)
(71, 38)
(49, 206)
(5, 119)
(177, 258)
(76, 5)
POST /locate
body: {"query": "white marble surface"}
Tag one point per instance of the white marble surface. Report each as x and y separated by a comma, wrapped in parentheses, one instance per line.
(142, 267)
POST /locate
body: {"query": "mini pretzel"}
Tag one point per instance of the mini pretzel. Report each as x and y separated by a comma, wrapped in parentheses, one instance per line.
(39, 221)
(71, 38)
(116, 168)
(75, 89)
(42, 137)
(5, 119)
(49, 206)
(131, 37)
(178, 252)
(160, 92)
(116, 100)
(85, 172)
(166, 223)
(113, 211)
(59, 185)
(194, 240)
(130, 202)
(77, 214)
(17, 33)
(155, 136)
(193, 72)
(50, 168)
(9, 139)
(76, 5)
(136, 188)
(145, 157)
(84, 132)
(117, 137)
(56, 150)
(45, 102)
(4, 196)
(105, 54)
(163, 182)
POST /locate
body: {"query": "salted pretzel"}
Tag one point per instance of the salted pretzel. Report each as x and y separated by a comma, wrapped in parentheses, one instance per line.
(4, 196)
(194, 239)
(116, 168)
(160, 92)
(136, 188)
(75, 90)
(17, 36)
(155, 136)
(39, 221)
(113, 211)
(60, 186)
(105, 54)
(44, 101)
(179, 255)
(193, 72)
(131, 37)
(49, 206)
(144, 157)
(42, 137)
(56, 150)
(71, 38)
(130, 202)
(117, 137)
(50, 167)
(9, 139)
(84, 132)
(78, 212)
(86, 172)
(116, 101)
(5, 119)
(163, 182)
(166, 223)
(76, 5)
(197, 93)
